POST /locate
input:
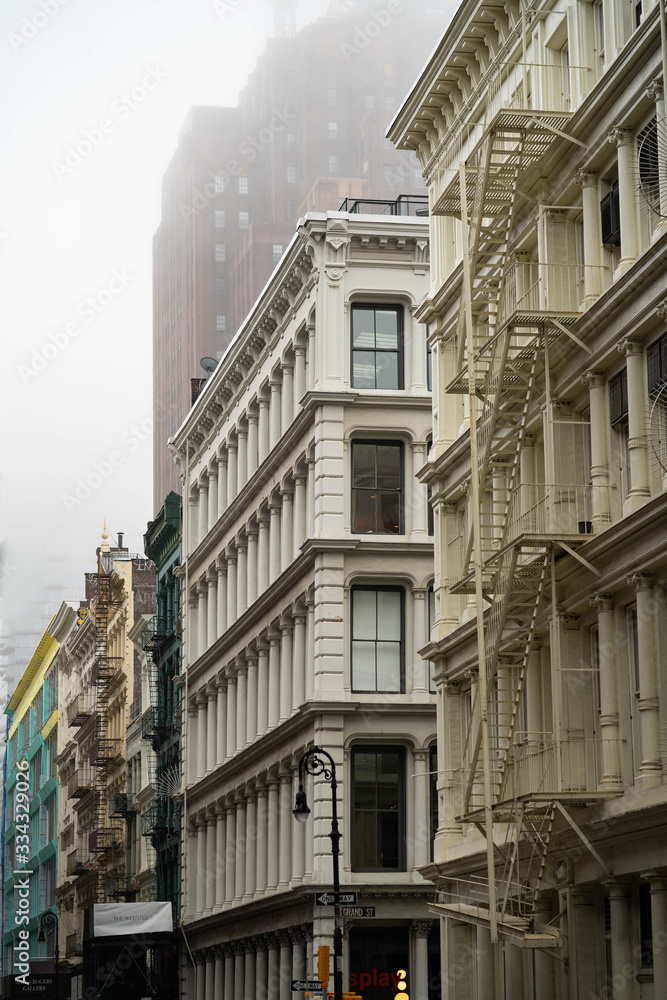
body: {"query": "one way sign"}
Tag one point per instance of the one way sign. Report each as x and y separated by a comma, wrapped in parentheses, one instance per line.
(342, 898)
(299, 985)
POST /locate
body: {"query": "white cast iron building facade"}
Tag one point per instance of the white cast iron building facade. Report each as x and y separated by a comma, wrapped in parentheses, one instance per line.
(541, 131)
(306, 574)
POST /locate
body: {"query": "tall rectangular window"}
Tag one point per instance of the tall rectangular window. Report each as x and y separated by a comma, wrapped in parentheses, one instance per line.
(219, 183)
(378, 809)
(332, 130)
(618, 398)
(220, 252)
(221, 322)
(332, 97)
(220, 286)
(656, 363)
(244, 220)
(377, 355)
(377, 487)
(243, 185)
(333, 164)
(377, 639)
(291, 175)
(278, 250)
(219, 218)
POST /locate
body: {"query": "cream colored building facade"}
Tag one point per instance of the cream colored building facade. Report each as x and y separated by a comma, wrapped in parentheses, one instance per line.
(540, 128)
(305, 579)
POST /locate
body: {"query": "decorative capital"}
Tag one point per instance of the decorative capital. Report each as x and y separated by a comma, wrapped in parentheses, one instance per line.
(587, 178)
(641, 581)
(422, 928)
(570, 622)
(594, 379)
(661, 309)
(628, 347)
(655, 90)
(603, 602)
(620, 136)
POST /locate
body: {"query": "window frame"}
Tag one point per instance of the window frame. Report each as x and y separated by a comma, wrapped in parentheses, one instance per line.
(401, 490)
(402, 805)
(401, 642)
(399, 352)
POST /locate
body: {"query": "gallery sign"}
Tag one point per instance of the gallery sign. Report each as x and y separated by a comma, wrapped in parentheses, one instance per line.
(119, 919)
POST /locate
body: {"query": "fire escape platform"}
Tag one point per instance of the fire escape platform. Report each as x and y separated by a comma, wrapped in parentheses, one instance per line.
(528, 540)
(540, 129)
(512, 928)
(536, 802)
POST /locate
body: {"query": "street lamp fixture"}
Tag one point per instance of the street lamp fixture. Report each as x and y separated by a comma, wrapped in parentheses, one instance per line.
(50, 919)
(317, 761)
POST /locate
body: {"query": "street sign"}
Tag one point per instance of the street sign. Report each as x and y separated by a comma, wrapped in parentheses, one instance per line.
(299, 985)
(330, 899)
(357, 911)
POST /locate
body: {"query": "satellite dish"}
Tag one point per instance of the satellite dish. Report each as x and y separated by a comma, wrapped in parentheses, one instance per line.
(209, 365)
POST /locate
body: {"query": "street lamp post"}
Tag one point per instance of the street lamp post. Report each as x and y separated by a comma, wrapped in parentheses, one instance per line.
(314, 761)
(50, 919)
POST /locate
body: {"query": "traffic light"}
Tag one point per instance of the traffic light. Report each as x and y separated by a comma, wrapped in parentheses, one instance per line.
(323, 964)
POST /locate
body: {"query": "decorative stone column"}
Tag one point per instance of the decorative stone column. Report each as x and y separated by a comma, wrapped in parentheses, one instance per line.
(624, 140)
(210, 862)
(273, 785)
(607, 665)
(486, 980)
(220, 850)
(261, 970)
(419, 492)
(222, 483)
(232, 471)
(299, 377)
(212, 515)
(299, 513)
(249, 975)
(210, 974)
(252, 444)
(232, 587)
(193, 519)
(273, 969)
(200, 874)
(419, 985)
(242, 473)
(221, 720)
(637, 414)
(262, 842)
(274, 540)
(419, 679)
(262, 687)
(310, 499)
(202, 616)
(310, 646)
(231, 712)
(253, 532)
(241, 840)
(658, 889)
(286, 670)
(274, 414)
(274, 680)
(285, 824)
(212, 607)
(287, 397)
(285, 964)
(229, 972)
(263, 552)
(219, 975)
(421, 813)
(299, 658)
(203, 510)
(200, 975)
(251, 846)
(592, 227)
(242, 575)
(221, 625)
(600, 507)
(650, 771)
(230, 854)
(251, 707)
(241, 703)
(191, 884)
(513, 971)
(211, 724)
(202, 710)
(621, 942)
(286, 529)
(263, 430)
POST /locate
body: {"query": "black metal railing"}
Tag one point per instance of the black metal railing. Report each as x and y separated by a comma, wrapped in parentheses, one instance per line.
(405, 204)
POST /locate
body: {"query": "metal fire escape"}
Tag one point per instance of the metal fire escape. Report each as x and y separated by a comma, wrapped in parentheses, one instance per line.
(502, 348)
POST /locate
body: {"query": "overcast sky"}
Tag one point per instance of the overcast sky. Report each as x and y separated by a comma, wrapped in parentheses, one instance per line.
(75, 247)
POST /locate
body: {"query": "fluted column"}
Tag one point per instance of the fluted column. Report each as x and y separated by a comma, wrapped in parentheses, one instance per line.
(262, 842)
(200, 977)
(231, 712)
(299, 513)
(221, 627)
(202, 708)
(221, 720)
(597, 387)
(241, 705)
(230, 961)
(608, 686)
(262, 687)
(202, 616)
(242, 458)
(299, 377)
(287, 529)
(242, 575)
(274, 414)
(592, 232)
(203, 510)
(220, 849)
(232, 587)
(263, 429)
(210, 862)
(252, 444)
(212, 515)
(251, 707)
(273, 786)
(419, 984)
(222, 484)
(637, 415)
(285, 965)
(624, 140)
(200, 874)
(273, 969)
(650, 769)
(287, 397)
(211, 724)
(286, 666)
(230, 855)
(253, 531)
(219, 973)
(261, 973)
(274, 681)
(251, 847)
(274, 541)
(249, 971)
(212, 607)
(286, 823)
(263, 553)
(298, 951)
(621, 942)
(299, 659)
